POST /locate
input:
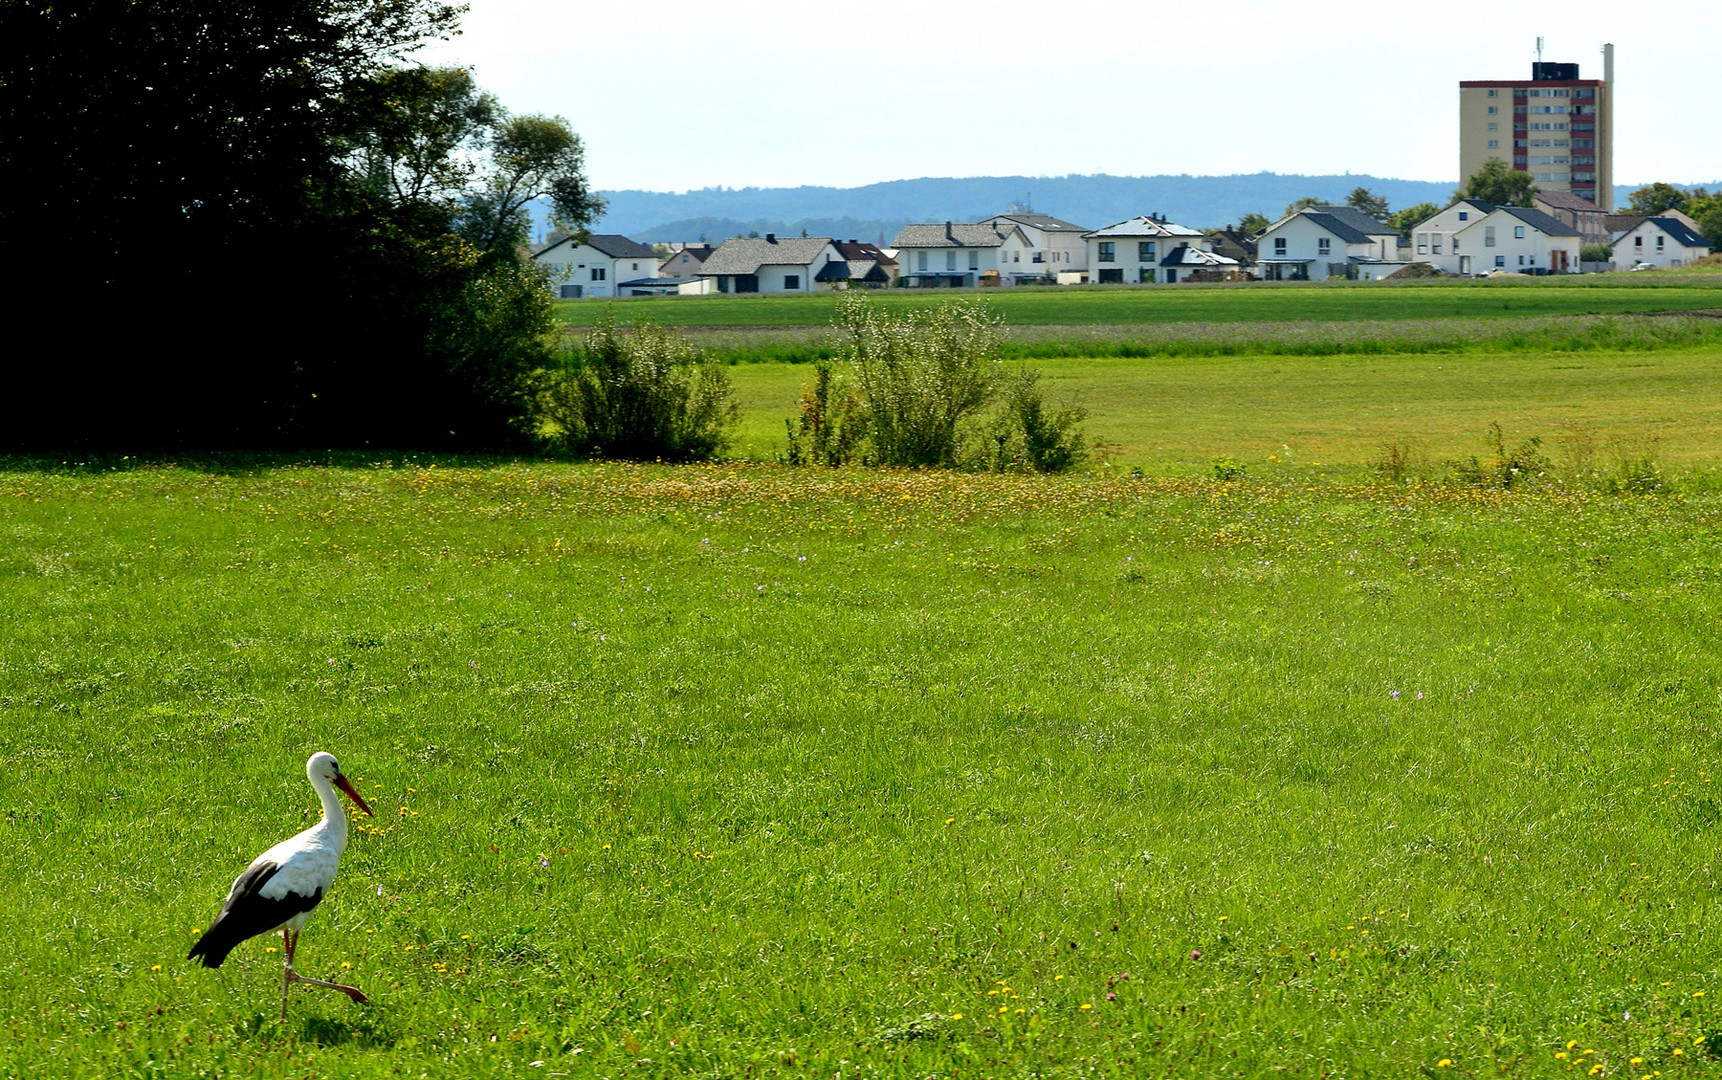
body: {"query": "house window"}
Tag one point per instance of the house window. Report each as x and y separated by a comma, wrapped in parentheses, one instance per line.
(1500, 260)
(1489, 236)
(1108, 251)
(792, 281)
(636, 266)
(1324, 246)
(1145, 251)
(1521, 260)
(1659, 245)
(950, 260)
(1435, 244)
(1279, 245)
(921, 261)
(1422, 243)
(1016, 256)
(1494, 93)
(1464, 216)
(974, 260)
(1638, 242)
(1518, 232)
(1494, 144)
(597, 273)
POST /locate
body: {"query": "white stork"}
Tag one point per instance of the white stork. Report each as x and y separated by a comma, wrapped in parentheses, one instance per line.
(281, 886)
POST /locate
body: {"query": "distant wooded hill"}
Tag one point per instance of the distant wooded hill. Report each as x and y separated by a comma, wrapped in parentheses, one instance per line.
(875, 212)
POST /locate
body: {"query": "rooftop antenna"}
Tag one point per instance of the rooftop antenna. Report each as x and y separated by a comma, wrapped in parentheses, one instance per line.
(1539, 48)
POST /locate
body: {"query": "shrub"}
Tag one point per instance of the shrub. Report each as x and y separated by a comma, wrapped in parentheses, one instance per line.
(1523, 464)
(831, 425)
(1027, 436)
(644, 394)
(920, 376)
(1596, 253)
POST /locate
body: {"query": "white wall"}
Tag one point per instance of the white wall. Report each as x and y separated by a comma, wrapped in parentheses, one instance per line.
(1509, 251)
(1127, 255)
(1640, 246)
(1432, 241)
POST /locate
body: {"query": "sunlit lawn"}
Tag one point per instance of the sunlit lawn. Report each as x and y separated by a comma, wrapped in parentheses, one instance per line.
(751, 771)
(1182, 412)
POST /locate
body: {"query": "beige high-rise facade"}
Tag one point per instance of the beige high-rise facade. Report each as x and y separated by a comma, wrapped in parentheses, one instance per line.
(1554, 125)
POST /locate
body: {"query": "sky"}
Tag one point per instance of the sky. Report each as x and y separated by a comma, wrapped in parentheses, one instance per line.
(679, 96)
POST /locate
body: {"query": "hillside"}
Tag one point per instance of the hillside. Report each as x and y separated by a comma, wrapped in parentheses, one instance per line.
(876, 211)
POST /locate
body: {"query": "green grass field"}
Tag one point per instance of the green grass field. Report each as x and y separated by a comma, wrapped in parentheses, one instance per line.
(1606, 294)
(740, 770)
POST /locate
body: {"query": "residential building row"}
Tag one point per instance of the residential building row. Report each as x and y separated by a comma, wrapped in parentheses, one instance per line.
(1313, 243)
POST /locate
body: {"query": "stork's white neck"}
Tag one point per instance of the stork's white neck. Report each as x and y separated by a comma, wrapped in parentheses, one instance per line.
(334, 823)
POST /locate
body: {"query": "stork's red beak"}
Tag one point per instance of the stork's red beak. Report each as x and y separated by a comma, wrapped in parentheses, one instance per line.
(358, 800)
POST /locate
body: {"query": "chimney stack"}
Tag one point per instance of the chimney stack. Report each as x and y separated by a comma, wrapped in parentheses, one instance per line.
(771, 238)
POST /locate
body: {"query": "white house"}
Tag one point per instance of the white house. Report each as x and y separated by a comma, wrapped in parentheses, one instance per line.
(1664, 242)
(1058, 245)
(1319, 242)
(1432, 241)
(1131, 251)
(598, 267)
(964, 255)
(1516, 239)
(770, 263)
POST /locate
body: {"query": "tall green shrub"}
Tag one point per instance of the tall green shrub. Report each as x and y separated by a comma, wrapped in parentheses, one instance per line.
(921, 376)
(642, 394)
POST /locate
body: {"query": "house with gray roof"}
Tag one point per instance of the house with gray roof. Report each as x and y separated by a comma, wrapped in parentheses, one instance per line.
(774, 264)
(1514, 239)
(1130, 251)
(598, 265)
(1663, 242)
(933, 256)
(1319, 242)
(1058, 245)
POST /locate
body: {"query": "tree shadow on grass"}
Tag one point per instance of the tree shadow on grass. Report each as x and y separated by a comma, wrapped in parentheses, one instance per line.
(247, 463)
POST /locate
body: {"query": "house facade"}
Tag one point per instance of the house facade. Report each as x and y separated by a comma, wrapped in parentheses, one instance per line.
(932, 256)
(596, 267)
(1432, 241)
(869, 265)
(1132, 251)
(1516, 239)
(1058, 245)
(774, 264)
(1321, 242)
(686, 262)
(1577, 212)
(1663, 242)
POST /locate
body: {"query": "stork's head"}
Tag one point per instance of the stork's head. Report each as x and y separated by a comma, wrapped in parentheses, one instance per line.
(323, 766)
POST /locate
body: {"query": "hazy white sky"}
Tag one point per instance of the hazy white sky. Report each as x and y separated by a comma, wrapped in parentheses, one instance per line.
(686, 94)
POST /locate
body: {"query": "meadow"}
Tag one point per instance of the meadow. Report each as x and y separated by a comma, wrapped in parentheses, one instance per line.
(741, 770)
(1285, 764)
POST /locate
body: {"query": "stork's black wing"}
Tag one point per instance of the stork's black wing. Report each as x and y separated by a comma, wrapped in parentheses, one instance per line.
(248, 913)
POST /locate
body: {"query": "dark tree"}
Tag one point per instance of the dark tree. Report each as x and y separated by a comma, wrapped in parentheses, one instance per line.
(1253, 224)
(247, 224)
(1365, 201)
(1412, 216)
(1657, 198)
(1496, 182)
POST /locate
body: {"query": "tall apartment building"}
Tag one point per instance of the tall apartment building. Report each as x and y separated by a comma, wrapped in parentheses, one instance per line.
(1554, 125)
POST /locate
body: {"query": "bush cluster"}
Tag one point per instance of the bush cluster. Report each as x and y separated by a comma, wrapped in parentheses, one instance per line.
(644, 394)
(914, 389)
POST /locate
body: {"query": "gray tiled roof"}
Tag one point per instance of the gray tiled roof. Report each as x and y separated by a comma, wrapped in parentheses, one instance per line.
(620, 247)
(1543, 223)
(1043, 222)
(746, 254)
(1185, 255)
(1143, 226)
(1566, 200)
(1355, 220)
(1337, 227)
(1680, 231)
(949, 235)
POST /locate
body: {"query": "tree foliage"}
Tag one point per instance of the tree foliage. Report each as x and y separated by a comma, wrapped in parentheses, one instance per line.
(312, 237)
(1253, 224)
(1404, 221)
(1365, 201)
(1497, 182)
(1657, 198)
(1298, 204)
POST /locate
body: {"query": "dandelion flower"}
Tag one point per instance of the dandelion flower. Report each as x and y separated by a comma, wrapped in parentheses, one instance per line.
(1444, 1063)
(1086, 1006)
(949, 820)
(156, 967)
(956, 1016)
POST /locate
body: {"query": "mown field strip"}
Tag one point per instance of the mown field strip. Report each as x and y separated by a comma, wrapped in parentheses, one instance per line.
(1251, 302)
(1182, 412)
